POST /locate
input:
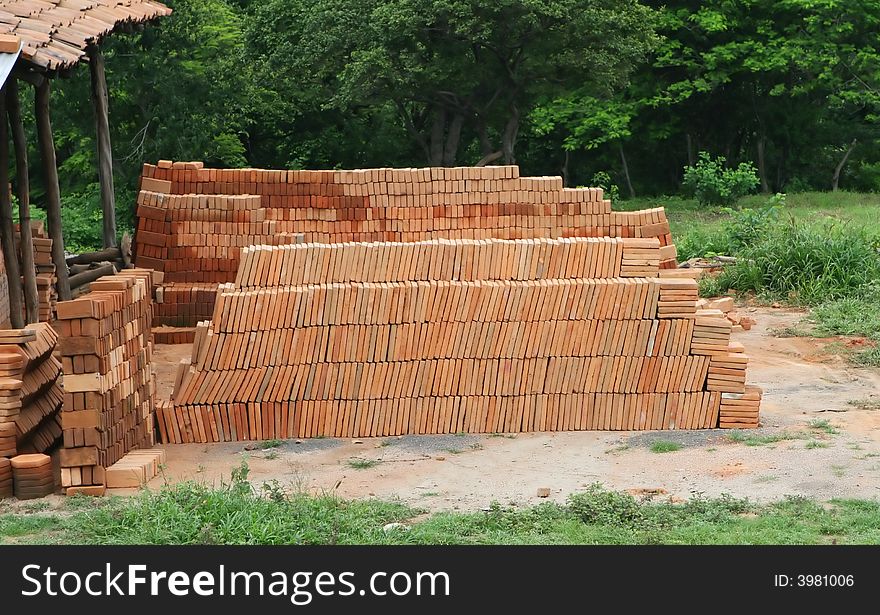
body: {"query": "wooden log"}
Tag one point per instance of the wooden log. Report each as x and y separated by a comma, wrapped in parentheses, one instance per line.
(91, 275)
(86, 258)
(7, 237)
(75, 269)
(53, 191)
(105, 152)
(22, 181)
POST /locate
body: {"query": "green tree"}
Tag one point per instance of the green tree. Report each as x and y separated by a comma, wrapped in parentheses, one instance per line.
(455, 71)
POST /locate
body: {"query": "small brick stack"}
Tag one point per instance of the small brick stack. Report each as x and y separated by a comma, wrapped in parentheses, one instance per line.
(105, 343)
(178, 306)
(187, 214)
(46, 278)
(45, 269)
(443, 336)
(33, 476)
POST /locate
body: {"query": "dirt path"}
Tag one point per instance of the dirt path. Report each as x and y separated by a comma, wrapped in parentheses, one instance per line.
(801, 383)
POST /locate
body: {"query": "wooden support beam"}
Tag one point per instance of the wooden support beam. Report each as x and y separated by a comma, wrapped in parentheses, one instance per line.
(22, 181)
(53, 192)
(100, 101)
(7, 234)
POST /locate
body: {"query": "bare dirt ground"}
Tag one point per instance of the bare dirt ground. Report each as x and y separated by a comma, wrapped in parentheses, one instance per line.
(802, 379)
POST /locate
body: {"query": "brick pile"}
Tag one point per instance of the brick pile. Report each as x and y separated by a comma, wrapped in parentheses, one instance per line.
(33, 476)
(109, 391)
(447, 336)
(32, 392)
(30, 401)
(194, 222)
(45, 269)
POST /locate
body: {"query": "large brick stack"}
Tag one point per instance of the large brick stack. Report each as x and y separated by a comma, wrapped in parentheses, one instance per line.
(445, 336)
(109, 392)
(30, 393)
(194, 222)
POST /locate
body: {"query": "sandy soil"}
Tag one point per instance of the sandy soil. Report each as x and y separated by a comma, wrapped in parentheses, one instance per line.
(801, 378)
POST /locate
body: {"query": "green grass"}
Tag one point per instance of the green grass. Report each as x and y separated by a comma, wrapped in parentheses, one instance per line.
(814, 249)
(189, 513)
(665, 446)
(687, 217)
(267, 444)
(12, 526)
(815, 444)
(750, 439)
(363, 464)
(823, 425)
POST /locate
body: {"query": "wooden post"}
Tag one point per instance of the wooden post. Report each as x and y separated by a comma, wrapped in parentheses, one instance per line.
(53, 192)
(22, 181)
(100, 101)
(7, 233)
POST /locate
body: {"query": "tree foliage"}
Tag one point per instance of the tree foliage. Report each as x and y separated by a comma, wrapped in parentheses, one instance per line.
(632, 89)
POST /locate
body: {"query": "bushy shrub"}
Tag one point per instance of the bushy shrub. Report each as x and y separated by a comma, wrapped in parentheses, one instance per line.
(598, 506)
(806, 263)
(602, 180)
(741, 229)
(712, 184)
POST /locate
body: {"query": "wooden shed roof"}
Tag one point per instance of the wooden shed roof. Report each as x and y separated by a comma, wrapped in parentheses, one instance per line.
(55, 33)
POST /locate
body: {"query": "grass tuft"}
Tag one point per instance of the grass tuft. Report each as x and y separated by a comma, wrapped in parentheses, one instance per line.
(665, 446)
(363, 464)
(749, 439)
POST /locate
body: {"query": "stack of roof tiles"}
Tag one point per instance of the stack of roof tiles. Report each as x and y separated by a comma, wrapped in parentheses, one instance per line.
(188, 216)
(56, 33)
(444, 336)
(30, 391)
(109, 389)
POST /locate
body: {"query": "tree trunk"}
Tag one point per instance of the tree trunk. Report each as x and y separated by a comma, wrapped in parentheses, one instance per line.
(453, 136)
(508, 139)
(629, 186)
(486, 146)
(438, 132)
(7, 232)
(22, 181)
(105, 152)
(53, 192)
(564, 169)
(489, 158)
(835, 180)
(690, 150)
(762, 165)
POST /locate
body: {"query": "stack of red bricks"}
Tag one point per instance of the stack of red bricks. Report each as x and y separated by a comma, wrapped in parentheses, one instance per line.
(30, 398)
(190, 218)
(46, 279)
(445, 336)
(45, 268)
(109, 391)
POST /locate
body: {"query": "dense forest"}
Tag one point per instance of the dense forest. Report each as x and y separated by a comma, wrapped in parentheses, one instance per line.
(634, 90)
